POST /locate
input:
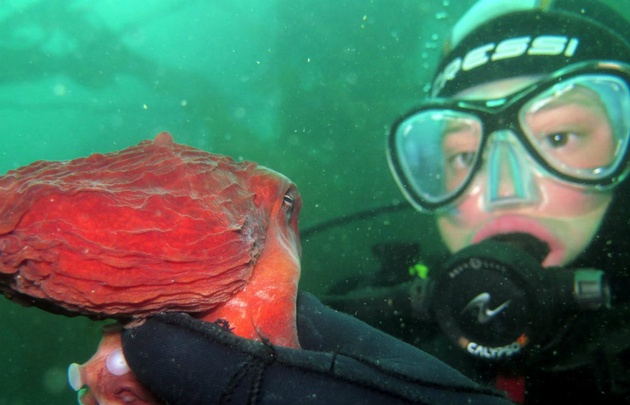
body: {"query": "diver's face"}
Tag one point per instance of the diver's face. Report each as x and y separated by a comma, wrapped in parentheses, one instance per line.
(564, 216)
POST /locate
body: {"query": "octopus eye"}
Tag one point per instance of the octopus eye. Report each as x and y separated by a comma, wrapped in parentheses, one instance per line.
(287, 201)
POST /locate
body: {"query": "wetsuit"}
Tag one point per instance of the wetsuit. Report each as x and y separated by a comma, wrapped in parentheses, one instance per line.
(342, 361)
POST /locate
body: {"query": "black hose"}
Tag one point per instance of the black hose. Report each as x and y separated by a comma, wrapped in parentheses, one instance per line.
(357, 216)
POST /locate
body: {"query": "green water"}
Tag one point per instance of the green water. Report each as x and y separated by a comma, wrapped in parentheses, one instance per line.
(306, 87)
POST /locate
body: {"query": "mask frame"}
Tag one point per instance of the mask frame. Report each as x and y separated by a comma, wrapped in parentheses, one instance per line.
(503, 114)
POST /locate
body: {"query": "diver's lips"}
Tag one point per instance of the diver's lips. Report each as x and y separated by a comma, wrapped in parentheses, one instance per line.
(519, 224)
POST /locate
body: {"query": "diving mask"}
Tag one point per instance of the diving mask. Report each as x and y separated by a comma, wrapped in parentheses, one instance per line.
(573, 125)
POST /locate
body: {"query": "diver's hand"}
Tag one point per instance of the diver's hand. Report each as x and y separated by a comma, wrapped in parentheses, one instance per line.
(342, 361)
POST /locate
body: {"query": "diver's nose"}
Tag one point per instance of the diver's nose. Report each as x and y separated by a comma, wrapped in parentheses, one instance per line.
(509, 176)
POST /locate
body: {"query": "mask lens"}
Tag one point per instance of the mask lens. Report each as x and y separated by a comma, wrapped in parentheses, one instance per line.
(437, 151)
(580, 127)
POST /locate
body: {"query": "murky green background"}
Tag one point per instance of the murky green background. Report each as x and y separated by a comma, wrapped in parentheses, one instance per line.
(306, 87)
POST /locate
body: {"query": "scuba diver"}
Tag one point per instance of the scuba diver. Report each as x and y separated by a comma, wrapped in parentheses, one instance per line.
(520, 152)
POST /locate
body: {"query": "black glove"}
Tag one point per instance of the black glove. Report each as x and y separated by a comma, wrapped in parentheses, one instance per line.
(342, 361)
